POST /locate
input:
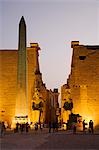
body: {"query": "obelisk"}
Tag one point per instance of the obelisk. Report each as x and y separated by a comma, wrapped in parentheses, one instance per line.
(21, 113)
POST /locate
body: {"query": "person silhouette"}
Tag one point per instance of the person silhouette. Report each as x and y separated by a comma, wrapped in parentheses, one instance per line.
(91, 130)
(84, 124)
(50, 126)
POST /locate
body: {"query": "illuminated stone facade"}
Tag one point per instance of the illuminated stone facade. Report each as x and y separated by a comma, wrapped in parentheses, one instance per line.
(23, 95)
(8, 81)
(36, 88)
(37, 92)
(65, 97)
(84, 81)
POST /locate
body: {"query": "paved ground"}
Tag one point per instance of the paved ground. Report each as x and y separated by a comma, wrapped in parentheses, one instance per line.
(61, 140)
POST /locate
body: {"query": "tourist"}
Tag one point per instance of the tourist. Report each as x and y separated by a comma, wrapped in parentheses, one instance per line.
(91, 130)
(36, 126)
(50, 126)
(74, 128)
(27, 127)
(84, 126)
(41, 126)
(17, 127)
(2, 129)
(54, 126)
(57, 125)
(21, 128)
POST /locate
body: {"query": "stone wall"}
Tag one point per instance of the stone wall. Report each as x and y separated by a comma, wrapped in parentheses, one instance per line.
(84, 81)
(8, 76)
(8, 84)
(8, 81)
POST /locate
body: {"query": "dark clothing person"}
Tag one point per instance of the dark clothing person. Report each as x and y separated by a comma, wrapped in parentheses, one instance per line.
(50, 126)
(74, 128)
(2, 128)
(41, 126)
(27, 127)
(36, 126)
(54, 126)
(91, 130)
(84, 125)
(21, 128)
(17, 127)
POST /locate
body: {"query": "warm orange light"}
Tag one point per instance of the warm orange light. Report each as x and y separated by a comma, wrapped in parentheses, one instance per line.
(88, 118)
(93, 118)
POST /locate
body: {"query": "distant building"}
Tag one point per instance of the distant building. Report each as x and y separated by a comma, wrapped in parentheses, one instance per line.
(53, 105)
(83, 82)
(65, 97)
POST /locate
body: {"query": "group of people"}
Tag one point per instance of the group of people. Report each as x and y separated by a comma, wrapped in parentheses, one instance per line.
(53, 126)
(24, 127)
(21, 127)
(41, 125)
(91, 128)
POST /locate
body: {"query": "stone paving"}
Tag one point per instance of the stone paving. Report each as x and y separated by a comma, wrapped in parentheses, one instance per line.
(42, 140)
